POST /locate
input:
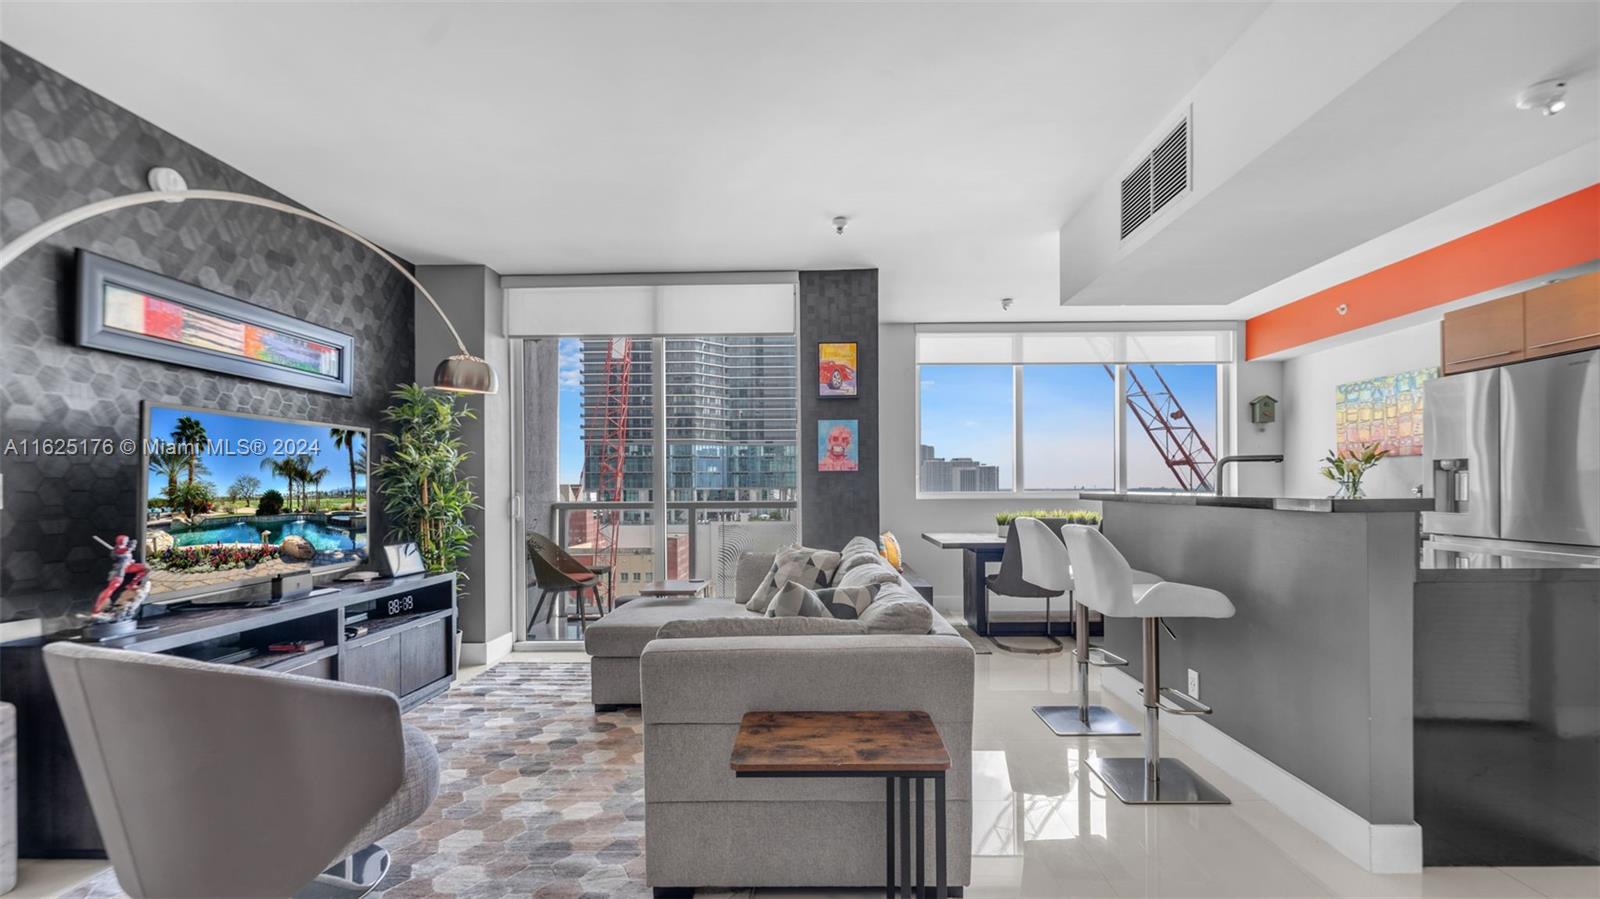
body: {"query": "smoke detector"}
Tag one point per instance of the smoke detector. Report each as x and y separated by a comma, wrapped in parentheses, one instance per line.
(839, 224)
(1549, 97)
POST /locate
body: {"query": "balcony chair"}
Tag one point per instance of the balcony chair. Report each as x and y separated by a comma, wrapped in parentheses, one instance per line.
(556, 572)
(222, 781)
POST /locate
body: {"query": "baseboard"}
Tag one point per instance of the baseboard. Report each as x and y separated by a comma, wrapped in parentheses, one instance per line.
(487, 653)
(572, 646)
(1379, 848)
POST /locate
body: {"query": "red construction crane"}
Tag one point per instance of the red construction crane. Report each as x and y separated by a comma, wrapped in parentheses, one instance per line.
(1170, 430)
(613, 445)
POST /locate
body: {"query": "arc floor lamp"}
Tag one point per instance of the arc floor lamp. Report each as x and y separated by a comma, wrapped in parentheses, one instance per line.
(460, 373)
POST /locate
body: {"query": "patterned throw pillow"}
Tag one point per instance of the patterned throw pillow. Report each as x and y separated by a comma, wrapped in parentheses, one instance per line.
(855, 560)
(866, 576)
(891, 550)
(805, 566)
(796, 601)
(847, 603)
(859, 544)
(897, 610)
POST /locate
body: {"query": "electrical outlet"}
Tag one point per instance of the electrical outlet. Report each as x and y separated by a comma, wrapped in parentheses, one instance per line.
(1194, 683)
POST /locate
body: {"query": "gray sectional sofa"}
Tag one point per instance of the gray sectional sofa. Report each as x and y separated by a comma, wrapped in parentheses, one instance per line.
(704, 828)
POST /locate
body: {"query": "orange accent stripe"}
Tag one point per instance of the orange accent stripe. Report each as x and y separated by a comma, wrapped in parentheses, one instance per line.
(1559, 234)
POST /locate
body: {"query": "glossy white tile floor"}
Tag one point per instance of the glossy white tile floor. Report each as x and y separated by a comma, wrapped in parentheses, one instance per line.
(1043, 826)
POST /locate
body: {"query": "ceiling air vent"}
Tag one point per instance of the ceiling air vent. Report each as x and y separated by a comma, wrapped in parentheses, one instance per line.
(1157, 179)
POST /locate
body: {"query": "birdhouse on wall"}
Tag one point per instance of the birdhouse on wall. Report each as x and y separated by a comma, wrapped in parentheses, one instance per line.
(1263, 410)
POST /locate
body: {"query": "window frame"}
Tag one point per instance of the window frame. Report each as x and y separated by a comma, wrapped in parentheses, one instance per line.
(1225, 374)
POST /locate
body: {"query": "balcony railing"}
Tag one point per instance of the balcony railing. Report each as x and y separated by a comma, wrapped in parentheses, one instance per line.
(715, 533)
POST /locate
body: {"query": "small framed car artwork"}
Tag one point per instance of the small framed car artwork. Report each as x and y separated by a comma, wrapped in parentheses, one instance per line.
(836, 369)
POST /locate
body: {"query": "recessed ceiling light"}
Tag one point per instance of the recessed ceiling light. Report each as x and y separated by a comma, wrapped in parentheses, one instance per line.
(1549, 97)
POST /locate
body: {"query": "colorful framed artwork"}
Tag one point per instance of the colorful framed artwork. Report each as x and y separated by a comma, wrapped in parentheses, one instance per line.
(1385, 410)
(125, 309)
(838, 444)
(836, 369)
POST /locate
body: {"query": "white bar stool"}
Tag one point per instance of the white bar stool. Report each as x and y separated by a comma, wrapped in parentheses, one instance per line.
(1045, 563)
(1101, 571)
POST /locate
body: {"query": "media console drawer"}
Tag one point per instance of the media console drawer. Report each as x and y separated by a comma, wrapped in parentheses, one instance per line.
(424, 655)
(374, 663)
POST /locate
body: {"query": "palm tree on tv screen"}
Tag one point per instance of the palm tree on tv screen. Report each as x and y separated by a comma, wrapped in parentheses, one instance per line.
(169, 463)
(283, 468)
(302, 471)
(314, 478)
(345, 439)
(190, 436)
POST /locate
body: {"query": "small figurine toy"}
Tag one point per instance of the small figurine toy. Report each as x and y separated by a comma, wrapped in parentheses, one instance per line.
(116, 608)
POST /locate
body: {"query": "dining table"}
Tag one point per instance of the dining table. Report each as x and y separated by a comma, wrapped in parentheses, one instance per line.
(979, 550)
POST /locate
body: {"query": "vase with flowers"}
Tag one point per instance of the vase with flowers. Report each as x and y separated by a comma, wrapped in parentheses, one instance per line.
(1347, 467)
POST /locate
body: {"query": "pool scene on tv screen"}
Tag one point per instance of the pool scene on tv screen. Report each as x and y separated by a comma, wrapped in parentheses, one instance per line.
(234, 498)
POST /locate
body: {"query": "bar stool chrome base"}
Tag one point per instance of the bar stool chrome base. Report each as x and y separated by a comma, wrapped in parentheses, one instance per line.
(1153, 780)
(1178, 784)
(1067, 721)
(1083, 719)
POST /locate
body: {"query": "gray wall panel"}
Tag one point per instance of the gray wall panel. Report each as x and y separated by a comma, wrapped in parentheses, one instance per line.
(839, 306)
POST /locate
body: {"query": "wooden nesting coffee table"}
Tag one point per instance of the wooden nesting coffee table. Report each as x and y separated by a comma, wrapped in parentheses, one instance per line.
(900, 747)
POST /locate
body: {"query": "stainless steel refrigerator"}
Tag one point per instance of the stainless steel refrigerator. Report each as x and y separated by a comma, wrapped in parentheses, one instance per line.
(1514, 461)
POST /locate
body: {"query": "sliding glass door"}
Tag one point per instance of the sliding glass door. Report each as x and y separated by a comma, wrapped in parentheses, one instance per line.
(637, 502)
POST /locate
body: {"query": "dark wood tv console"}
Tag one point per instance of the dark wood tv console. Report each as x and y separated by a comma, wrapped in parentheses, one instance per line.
(409, 649)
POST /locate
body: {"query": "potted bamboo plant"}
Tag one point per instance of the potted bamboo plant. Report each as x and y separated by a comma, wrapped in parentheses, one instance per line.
(426, 498)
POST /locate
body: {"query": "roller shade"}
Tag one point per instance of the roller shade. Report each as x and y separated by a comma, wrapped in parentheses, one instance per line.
(650, 309)
(1044, 347)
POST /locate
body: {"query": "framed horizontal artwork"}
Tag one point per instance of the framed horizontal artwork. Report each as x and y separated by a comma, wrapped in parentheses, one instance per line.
(836, 369)
(125, 309)
(838, 444)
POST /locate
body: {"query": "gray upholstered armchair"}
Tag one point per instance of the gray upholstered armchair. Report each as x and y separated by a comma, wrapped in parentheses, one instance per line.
(221, 781)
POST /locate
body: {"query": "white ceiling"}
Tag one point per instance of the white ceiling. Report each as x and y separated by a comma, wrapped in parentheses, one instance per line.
(558, 138)
(1428, 125)
(658, 137)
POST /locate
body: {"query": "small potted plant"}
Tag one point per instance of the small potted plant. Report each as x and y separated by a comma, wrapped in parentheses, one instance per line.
(1002, 521)
(1346, 468)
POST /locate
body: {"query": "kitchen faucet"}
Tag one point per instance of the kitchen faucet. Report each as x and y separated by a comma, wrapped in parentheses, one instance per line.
(1258, 457)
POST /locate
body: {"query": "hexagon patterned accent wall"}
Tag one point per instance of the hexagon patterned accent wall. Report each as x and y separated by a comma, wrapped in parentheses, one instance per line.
(61, 146)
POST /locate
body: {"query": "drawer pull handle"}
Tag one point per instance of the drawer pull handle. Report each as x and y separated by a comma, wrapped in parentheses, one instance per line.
(1562, 340)
(1481, 358)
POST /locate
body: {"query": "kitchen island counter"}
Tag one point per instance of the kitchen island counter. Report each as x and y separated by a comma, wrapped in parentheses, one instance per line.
(1313, 672)
(1454, 710)
(1268, 503)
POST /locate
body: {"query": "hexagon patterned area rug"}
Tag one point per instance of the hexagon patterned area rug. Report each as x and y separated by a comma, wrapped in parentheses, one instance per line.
(539, 796)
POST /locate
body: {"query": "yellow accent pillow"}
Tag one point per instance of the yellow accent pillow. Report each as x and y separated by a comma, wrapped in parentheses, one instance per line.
(891, 550)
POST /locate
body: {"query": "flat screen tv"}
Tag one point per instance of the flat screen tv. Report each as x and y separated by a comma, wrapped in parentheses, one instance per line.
(231, 499)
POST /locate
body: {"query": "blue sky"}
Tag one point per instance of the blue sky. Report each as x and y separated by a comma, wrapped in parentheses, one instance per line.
(231, 435)
(1067, 410)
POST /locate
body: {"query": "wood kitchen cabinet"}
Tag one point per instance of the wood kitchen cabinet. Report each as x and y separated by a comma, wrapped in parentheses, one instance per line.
(1484, 335)
(1562, 317)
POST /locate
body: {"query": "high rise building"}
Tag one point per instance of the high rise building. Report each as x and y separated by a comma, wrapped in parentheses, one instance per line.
(732, 418)
(958, 475)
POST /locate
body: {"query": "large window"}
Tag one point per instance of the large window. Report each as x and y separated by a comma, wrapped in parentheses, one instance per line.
(1038, 411)
(967, 428)
(1171, 426)
(1069, 427)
